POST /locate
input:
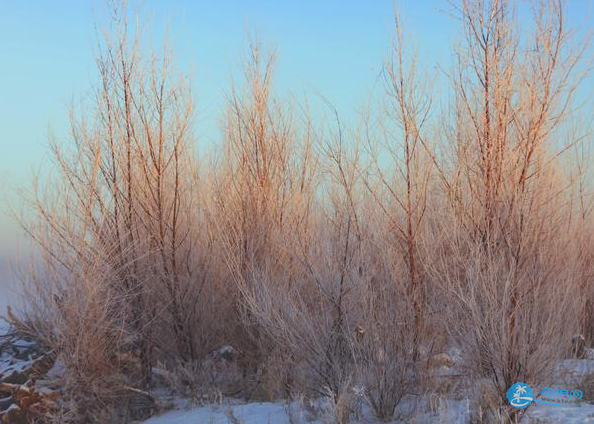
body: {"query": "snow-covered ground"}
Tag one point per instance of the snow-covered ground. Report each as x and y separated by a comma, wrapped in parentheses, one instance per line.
(276, 413)
(251, 413)
(546, 414)
(283, 413)
(428, 411)
(569, 374)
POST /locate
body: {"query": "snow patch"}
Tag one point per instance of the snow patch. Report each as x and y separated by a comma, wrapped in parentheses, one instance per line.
(251, 413)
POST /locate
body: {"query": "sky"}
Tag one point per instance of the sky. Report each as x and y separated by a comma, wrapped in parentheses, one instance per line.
(332, 47)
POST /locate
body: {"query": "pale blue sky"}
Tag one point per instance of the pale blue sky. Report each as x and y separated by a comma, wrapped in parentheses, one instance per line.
(334, 47)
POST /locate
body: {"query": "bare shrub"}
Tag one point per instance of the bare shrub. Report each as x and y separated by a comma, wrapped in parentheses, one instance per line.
(507, 259)
(263, 193)
(394, 307)
(186, 379)
(311, 274)
(384, 345)
(298, 294)
(342, 407)
(126, 266)
(81, 319)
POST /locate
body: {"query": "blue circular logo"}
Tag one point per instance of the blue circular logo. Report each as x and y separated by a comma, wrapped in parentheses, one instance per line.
(520, 395)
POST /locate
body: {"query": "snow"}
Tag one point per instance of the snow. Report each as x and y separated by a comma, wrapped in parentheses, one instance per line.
(225, 350)
(426, 410)
(571, 371)
(10, 365)
(251, 413)
(447, 411)
(16, 356)
(13, 407)
(56, 371)
(545, 414)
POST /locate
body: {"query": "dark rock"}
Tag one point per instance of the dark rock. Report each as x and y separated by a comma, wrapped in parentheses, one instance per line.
(16, 377)
(22, 363)
(5, 403)
(13, 415)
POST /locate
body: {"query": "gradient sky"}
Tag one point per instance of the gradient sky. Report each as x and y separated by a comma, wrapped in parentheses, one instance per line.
(334, 47)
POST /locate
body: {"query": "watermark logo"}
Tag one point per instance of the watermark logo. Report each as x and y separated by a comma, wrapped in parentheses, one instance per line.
(520, 395)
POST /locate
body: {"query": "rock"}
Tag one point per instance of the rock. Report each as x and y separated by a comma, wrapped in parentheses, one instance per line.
(13, 415)
(25, 397)
(5, 403)
(42, 365)
(22, 363)
(589, 353)
(30, 402)
(21, 359)
(15, 377)
(225, 353)
(578, 346)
